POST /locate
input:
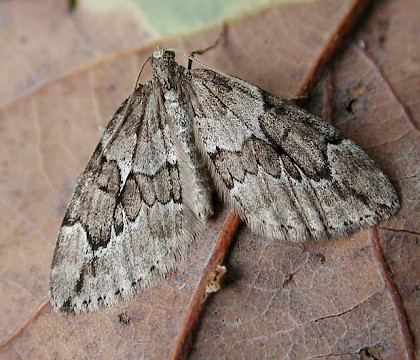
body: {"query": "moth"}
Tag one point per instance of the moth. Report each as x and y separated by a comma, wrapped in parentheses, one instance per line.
(147, 189)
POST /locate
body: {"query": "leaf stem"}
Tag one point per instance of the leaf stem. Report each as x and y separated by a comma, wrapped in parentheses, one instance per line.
(183, 341)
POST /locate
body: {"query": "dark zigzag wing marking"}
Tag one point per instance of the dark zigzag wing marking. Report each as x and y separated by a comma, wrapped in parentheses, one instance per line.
(289, 175)
(126, 224)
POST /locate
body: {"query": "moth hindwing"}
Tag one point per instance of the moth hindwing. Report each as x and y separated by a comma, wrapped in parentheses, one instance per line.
(146, 191)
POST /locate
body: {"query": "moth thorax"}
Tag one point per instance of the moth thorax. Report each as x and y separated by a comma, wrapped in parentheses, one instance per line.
(164, 69)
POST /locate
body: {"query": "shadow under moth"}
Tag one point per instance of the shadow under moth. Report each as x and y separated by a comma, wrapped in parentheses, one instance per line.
(146, 191)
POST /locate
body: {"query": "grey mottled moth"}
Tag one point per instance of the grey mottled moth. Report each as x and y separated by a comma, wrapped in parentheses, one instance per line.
(147, 189)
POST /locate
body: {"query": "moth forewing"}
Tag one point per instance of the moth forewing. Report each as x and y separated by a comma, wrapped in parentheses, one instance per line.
(145, 191)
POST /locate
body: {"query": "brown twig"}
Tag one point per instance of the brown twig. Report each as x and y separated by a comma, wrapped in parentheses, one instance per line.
(25, 324)
(183, 341)
(396, 299)
(335, 42)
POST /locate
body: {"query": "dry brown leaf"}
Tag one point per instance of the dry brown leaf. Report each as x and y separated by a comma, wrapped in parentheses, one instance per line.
(279, 301)
(336, 299)
(42, 40)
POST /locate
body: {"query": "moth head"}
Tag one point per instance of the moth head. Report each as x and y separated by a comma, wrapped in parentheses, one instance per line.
(160, 54)
(164, 65)
(162, 58)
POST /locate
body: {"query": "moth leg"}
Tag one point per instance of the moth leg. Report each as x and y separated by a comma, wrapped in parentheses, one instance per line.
(222, 34)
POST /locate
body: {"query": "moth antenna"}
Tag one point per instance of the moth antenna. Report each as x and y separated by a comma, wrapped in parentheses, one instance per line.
(202, 63)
